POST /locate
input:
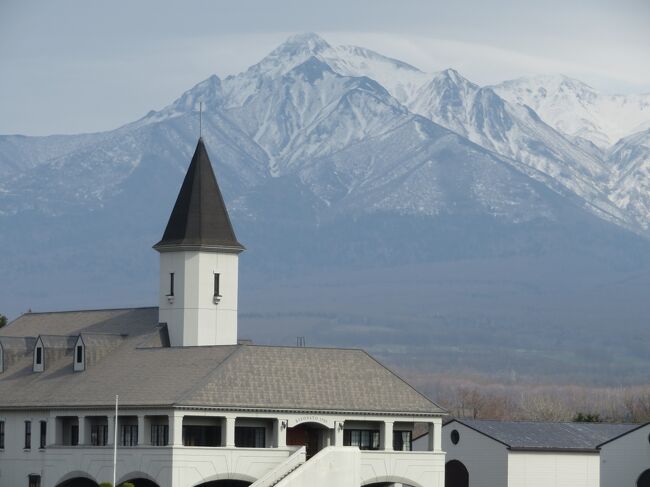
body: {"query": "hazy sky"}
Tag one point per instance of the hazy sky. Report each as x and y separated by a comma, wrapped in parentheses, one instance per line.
(70, 66)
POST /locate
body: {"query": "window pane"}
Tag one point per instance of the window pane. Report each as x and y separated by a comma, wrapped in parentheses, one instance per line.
(2, 435)
(375, 440)
(356, 438)
(129, 435)
(43, 434)
(159, 434)
(28, 435)
(201, 435)
(74, 435)
(250, 437)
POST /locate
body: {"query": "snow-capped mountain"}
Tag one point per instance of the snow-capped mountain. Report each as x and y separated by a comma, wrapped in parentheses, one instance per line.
(516, 132)
(630, 160)
(334, 158)
(400, 79)
(578, 110)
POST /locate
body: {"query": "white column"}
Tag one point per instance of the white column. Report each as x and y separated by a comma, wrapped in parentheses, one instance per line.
(338, 433)
(51, 430)
(176, 429)
(280, 430)
(228, 432)
(435, 435)
(144, 436)
(387, 436)
(82, 430)
(111, 430)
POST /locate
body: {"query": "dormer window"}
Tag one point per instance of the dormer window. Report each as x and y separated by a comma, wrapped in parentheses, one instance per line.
(39, 356)
(79, 355)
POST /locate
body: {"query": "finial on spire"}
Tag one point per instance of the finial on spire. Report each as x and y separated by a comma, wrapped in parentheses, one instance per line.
(200, 120)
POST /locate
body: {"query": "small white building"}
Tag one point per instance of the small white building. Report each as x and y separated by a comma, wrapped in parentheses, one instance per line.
(483, 453)
(198, 408)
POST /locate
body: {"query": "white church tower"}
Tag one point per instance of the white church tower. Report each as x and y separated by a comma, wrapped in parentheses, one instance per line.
(199, 267)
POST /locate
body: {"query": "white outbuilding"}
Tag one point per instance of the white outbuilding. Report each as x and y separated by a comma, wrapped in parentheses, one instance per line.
(482, 453)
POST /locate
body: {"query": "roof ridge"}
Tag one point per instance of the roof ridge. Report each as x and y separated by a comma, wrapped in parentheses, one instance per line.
(442, 410)
(538, 421)
(208, 375)
(86, 310)
(90, 333)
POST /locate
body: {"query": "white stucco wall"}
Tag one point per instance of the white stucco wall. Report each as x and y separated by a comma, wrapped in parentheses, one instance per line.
(418, 469)
(333, 466)
(192, 316)
(16, 463)
(622, 461)
(181, 466)
(485, 459)
(550, 469)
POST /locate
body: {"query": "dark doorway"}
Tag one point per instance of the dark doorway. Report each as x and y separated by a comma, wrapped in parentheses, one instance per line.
(78, 482)
(644, 479)
(456, 475)
(314, 437)
(142, 483)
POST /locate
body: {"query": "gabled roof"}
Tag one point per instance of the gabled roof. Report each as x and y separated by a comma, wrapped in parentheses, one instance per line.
(144, 372)
(63, 342)
(199, 219)
(548, 436)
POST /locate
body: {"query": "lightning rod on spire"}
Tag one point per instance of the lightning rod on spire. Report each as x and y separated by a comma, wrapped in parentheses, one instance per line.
(200, 120)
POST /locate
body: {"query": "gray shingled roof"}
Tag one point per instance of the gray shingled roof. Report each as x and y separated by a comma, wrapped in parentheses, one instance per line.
(199, 218)
(532, 435)
(145, 373)
(15, 348)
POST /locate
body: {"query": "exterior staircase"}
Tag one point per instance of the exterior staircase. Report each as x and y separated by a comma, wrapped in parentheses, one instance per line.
(278, 474)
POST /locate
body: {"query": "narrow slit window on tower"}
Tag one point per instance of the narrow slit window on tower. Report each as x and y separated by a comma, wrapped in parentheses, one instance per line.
(171, 284)
(216, 284)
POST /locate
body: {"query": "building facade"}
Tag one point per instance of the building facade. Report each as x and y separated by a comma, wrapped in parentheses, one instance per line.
(196, 407)
(540, 454)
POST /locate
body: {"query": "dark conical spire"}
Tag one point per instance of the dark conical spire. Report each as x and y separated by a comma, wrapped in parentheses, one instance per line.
(199, 220)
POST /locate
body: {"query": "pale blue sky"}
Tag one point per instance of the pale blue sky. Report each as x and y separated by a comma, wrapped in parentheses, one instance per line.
(70, 66)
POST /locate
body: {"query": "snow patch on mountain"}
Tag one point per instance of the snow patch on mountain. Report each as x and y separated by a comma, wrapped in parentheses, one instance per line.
(577, 109)
(400, 79)
(516, 132)
(630, 160)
